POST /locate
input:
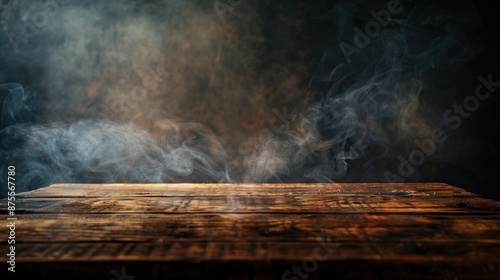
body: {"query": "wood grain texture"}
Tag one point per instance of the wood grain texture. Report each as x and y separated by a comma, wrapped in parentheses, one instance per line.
(248, 231)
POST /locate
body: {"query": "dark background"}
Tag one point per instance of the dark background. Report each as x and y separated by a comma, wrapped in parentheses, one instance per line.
(230, 74)
(486, 126)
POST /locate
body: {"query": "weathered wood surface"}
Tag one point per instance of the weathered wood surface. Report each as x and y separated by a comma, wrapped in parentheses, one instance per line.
(222, 231)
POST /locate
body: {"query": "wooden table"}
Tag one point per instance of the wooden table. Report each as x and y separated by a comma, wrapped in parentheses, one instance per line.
(246, 231)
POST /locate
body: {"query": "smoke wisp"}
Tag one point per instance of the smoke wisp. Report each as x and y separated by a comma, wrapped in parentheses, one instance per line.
(171, 91)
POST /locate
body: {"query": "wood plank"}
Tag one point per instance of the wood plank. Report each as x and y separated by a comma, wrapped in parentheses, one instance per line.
(255, 227)
(207, 190)
(258, 231)
(469, 253)
(297, 203)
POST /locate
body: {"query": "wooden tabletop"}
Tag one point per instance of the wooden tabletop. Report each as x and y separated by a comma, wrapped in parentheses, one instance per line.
(250, 231)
